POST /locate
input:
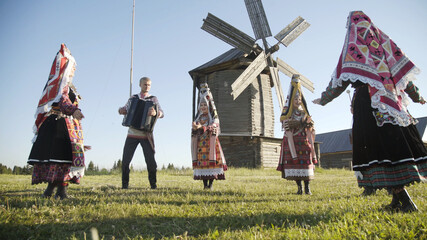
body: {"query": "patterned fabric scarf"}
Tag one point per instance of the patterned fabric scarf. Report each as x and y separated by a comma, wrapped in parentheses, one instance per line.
(371, 57)
(58, 78)
(76, 137)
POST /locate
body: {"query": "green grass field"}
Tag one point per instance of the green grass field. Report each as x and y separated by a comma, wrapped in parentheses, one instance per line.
(250, 204)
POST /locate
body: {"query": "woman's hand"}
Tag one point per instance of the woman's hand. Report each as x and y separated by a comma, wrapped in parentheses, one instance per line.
(78, 115)
(316, 101)
(196, 125)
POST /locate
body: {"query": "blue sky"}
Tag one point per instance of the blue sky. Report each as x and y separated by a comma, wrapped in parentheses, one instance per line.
(168, 44)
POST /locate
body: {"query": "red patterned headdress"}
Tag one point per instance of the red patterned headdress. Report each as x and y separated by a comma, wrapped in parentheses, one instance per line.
(59, 77)
(371, 57)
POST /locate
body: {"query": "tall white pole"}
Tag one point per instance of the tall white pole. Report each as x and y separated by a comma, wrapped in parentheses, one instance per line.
(131, 51)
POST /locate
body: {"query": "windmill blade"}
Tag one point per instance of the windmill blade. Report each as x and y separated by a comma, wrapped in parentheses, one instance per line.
(228, 33)
(258, 19)
(249, 75)
(292, 31)
(279, 93)
(289, 71)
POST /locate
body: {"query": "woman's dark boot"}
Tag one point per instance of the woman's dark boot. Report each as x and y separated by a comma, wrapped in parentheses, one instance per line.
(368, 191)
(61, 193)
(395, 204)
(307, 187)
(210, 183)
(407, 204)
(205, 184)
(49, 190)
(299, 187)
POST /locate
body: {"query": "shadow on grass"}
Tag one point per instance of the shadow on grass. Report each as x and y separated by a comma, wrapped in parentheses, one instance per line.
(158, 227)
(126, 197)
(154, 226)
(162, 196)
(29, 191)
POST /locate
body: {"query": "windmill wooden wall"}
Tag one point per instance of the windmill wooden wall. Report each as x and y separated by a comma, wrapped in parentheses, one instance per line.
(252, 113)
(247, 123)
(251, 152)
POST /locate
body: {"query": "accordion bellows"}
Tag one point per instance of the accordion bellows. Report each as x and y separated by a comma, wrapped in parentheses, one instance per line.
(137, 115)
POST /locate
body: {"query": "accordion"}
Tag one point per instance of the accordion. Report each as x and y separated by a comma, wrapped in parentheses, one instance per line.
(137, 114)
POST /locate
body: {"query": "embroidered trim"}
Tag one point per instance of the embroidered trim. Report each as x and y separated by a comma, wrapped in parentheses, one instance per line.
(395, 117)
(77, 172)
(389, 161)
(50, 160)
(208, 172)
(299, 172)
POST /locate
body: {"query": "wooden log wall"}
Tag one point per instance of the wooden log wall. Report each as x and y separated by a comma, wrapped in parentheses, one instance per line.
(251, 152)
(240, 151)
(252, 113)
(337, 160)
(270, 152)
(262, 107)
(234, 115)
(247, 123)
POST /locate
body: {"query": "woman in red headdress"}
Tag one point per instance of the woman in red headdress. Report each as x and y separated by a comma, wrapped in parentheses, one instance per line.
(387, 149)
(58, 151)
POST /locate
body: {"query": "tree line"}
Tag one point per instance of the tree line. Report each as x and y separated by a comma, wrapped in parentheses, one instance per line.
(91, 169)
(27, 170)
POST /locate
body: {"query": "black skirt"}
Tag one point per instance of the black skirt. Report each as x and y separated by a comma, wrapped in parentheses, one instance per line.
(388, 145)
(52, 144)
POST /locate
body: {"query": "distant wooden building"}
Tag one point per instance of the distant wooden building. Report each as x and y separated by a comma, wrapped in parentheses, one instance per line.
(336, 148)
(247, 123)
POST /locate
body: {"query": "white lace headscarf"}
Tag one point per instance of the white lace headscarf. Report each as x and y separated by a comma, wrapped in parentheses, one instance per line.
(205, 96)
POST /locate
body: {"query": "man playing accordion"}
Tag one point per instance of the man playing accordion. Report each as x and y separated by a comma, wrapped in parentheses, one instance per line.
(144, 137)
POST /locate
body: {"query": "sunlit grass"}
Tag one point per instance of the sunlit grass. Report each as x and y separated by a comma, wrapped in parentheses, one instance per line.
(250, 204)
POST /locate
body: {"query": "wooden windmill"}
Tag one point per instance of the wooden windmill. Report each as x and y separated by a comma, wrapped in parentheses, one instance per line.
(241, 81)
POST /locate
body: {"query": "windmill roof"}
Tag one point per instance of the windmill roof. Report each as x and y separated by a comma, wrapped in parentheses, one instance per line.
(339, 141)
(230, 55)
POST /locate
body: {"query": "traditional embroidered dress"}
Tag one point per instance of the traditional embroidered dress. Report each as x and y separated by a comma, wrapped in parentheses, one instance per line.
(207, 155)
(58, 152)
(387, 149)
(297, 156)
